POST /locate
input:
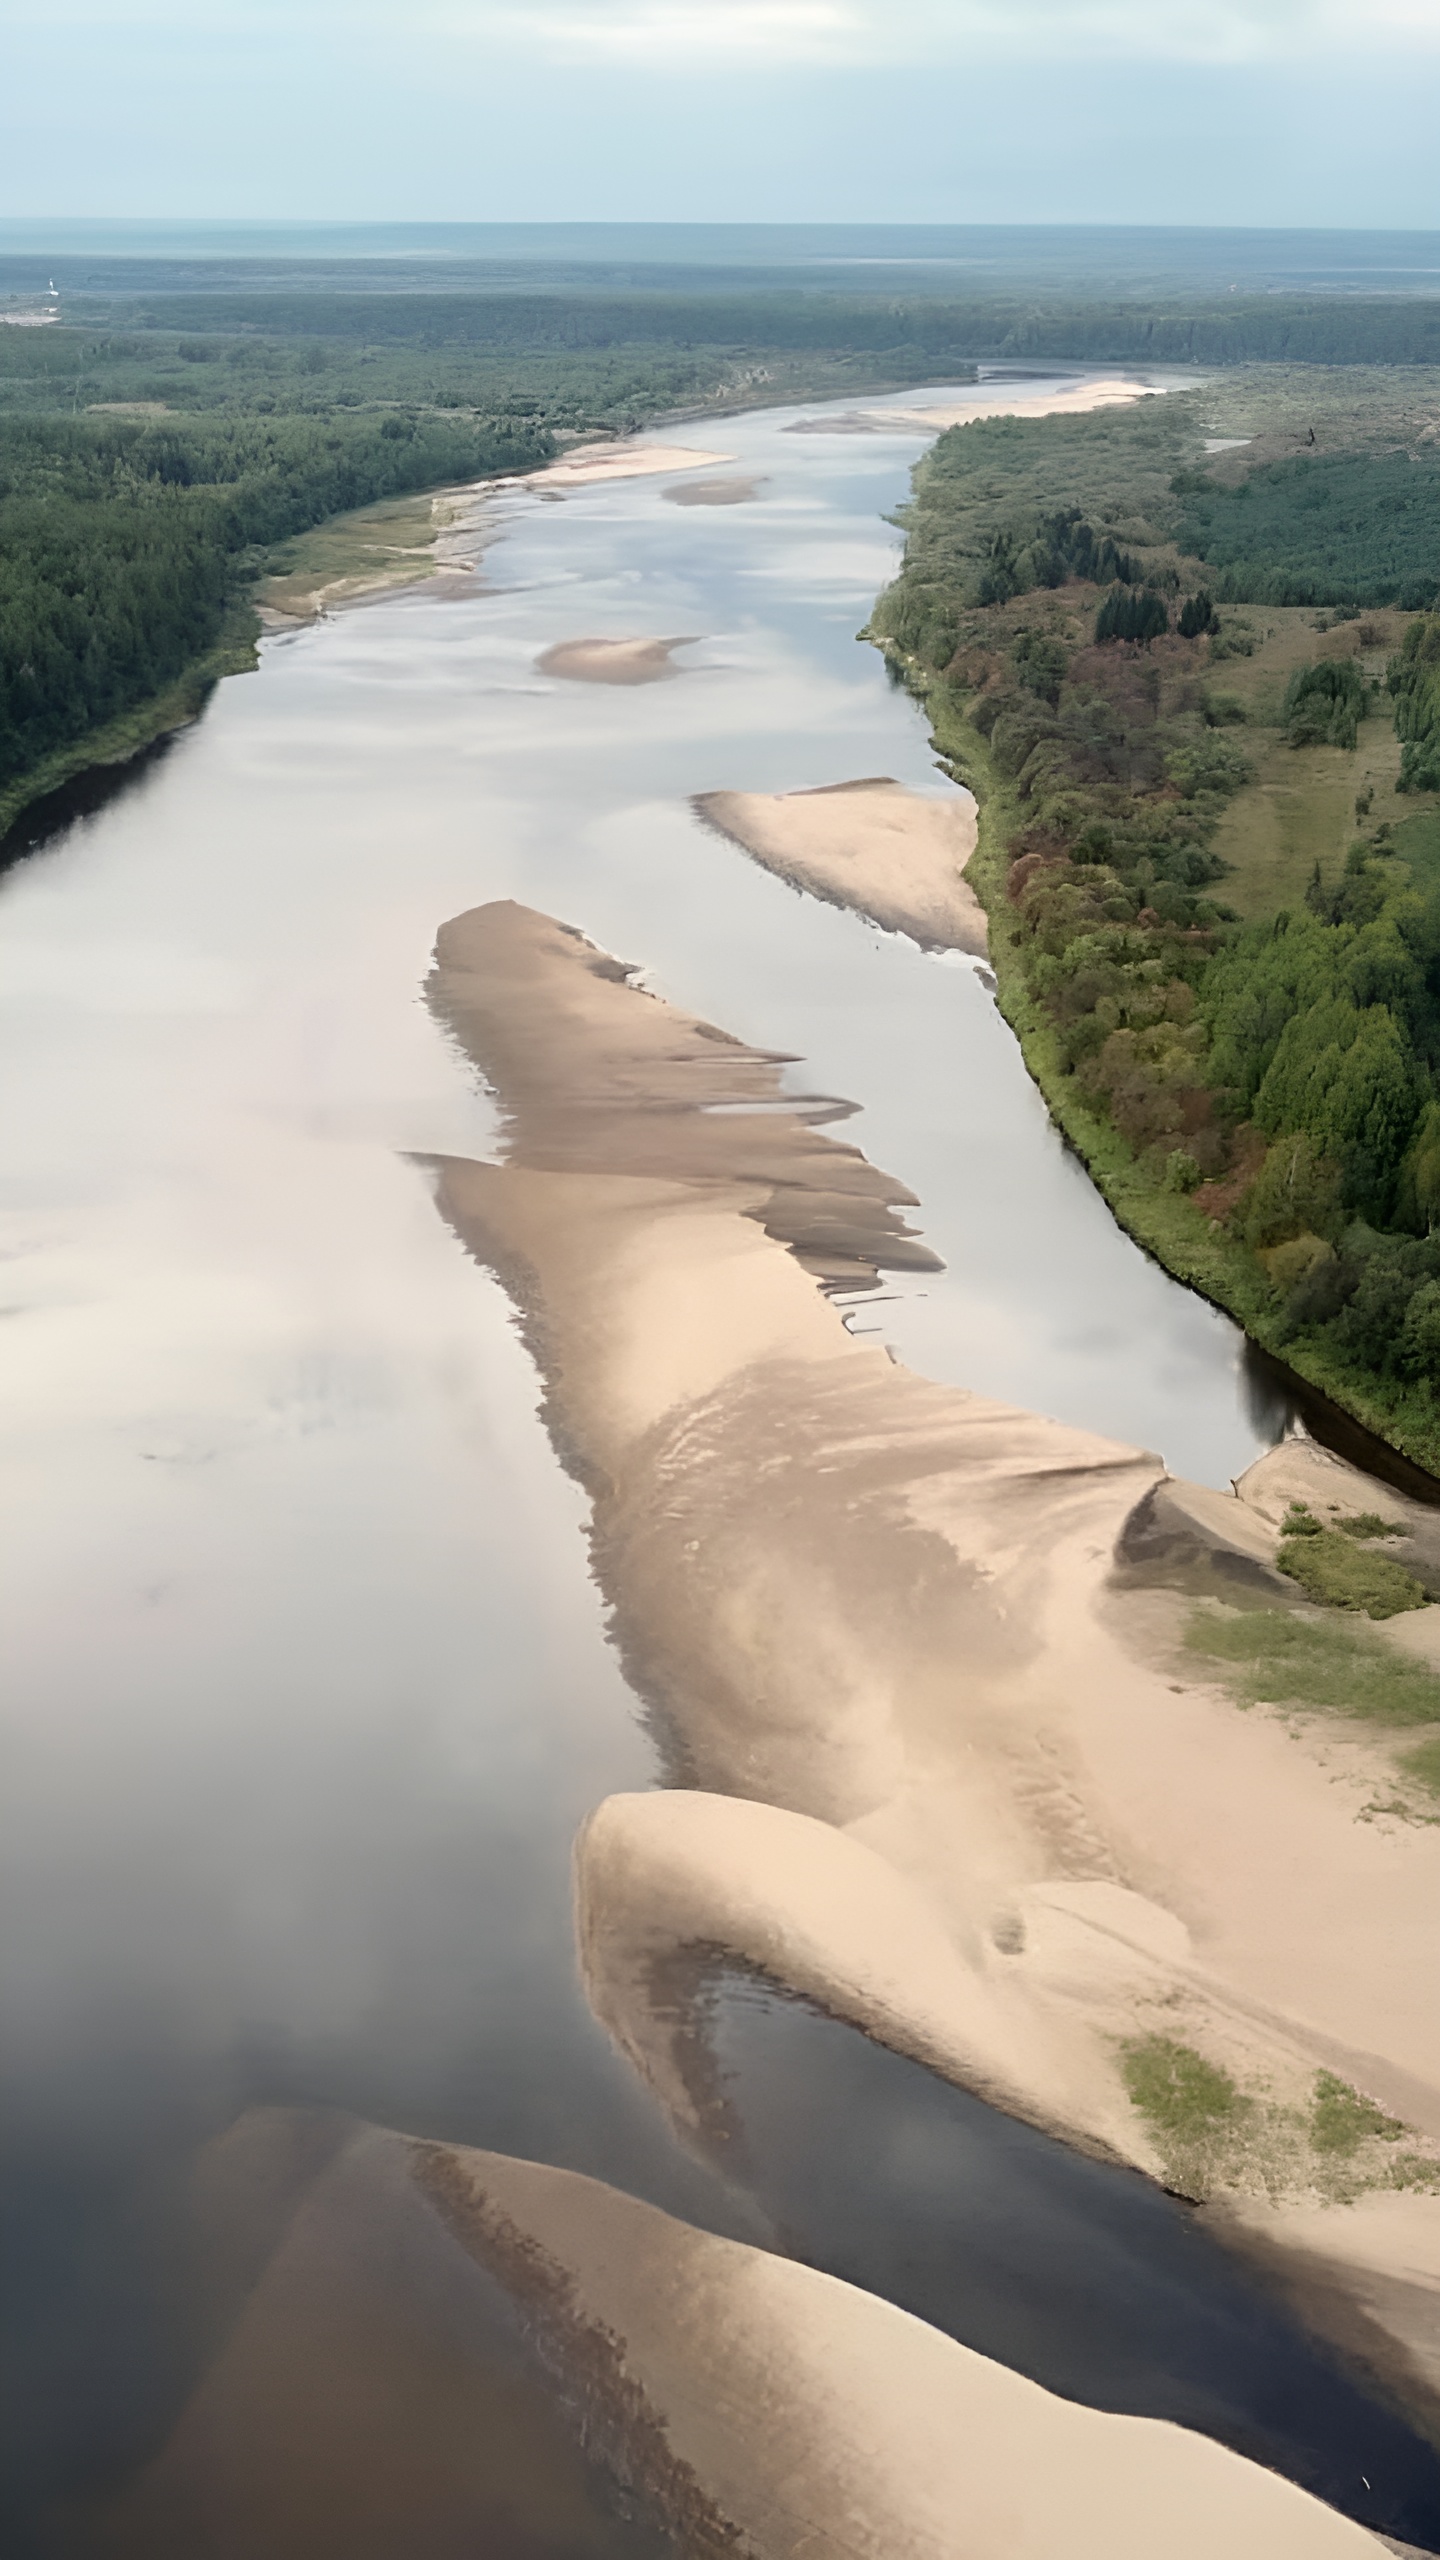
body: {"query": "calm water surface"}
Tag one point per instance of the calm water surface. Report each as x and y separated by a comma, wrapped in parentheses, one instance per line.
(307, 1685)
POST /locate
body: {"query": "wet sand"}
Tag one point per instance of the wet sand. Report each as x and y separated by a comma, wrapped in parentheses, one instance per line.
(612, 661)
(897, 856)
(888, 1615)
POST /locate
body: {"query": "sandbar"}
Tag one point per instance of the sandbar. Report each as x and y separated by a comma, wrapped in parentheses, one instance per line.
(713, 493)
(1076, 401)
(896, 855)
(612, 661)
(916, 1616)
(588, 465)
(420, 2347)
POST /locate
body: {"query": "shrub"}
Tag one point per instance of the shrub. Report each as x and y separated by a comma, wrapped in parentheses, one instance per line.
(1192, 2107)
(1340, 2119)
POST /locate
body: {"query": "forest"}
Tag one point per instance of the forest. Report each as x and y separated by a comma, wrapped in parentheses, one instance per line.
(1250, 1062)
(1240, 329)
(144, 481)
(126, 544)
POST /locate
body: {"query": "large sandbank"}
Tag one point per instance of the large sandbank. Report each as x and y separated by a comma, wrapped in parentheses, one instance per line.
(898, 856)
(1114, 392)
(589, 466)
(419, 2347)
(907, 1616)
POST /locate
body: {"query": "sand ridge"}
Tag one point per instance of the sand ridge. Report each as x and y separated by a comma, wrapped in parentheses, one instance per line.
(415, 2346)
(892, 1608)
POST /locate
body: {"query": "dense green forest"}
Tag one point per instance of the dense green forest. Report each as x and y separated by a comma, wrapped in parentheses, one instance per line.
(125, 544)
(144, 481)
(1240, 329)
(1252, 1070)
(1343, 528)
(132, 540)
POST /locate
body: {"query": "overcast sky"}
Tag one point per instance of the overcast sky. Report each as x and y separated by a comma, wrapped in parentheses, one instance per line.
(1218, 111)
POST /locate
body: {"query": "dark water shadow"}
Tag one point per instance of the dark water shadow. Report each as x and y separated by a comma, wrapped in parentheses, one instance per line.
(1083, 2276)
(1277, 1398)
(43, 822)
(368, 2390)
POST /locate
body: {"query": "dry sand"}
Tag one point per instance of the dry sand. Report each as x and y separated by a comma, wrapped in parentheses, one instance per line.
(898, 856)
(413, 2346)
(892, 1608)
(588, 466)
(612, 661)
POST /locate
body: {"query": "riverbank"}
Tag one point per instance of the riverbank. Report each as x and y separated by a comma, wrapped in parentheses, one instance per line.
(941, 1643)
(1194, 1246)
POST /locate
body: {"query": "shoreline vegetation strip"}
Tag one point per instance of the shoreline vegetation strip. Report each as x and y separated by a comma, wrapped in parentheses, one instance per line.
(1209, 842)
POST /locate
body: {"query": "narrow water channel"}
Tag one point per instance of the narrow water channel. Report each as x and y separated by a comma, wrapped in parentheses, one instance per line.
(307, 1685)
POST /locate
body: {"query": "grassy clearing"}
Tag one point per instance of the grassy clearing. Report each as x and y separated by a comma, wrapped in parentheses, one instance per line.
(1301, 806)
(1274, 1658)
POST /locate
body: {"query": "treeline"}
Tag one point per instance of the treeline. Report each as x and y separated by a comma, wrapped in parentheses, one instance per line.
(1281, 1078)
(1251, 329)
(126, 544)
(1415, 683)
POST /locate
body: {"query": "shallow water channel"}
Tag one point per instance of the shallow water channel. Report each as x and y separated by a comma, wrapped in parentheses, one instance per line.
(308, 1687)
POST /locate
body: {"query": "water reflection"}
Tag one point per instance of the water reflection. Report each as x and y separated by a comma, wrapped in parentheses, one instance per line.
(307, 1688)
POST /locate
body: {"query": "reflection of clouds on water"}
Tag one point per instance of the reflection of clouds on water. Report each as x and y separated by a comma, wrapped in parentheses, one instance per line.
(306, 1682)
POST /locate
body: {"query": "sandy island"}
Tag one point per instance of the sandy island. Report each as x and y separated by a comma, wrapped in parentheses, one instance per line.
(932, 1635)
(1080, 398)
(613, 661)
(898, 856)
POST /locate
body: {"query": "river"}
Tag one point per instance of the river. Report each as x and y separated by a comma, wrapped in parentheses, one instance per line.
(308, 1686)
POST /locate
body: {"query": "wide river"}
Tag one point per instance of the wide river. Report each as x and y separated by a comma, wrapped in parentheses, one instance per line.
(307, 1685)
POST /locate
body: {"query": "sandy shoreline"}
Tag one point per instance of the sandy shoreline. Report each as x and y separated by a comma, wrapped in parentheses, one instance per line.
(890, 1612)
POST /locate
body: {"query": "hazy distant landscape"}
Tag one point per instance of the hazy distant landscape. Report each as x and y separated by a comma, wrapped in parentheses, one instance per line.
(722, 962)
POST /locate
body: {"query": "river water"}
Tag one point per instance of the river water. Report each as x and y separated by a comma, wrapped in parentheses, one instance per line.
(307, 1684)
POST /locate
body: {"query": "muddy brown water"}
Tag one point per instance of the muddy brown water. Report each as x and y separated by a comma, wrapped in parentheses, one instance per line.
(307, 1685)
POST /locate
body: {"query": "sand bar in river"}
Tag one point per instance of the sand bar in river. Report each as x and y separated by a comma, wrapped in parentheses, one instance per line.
(895, 855)
(903, 1618)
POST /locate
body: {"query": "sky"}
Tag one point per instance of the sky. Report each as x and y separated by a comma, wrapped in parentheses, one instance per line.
(1146, 111)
